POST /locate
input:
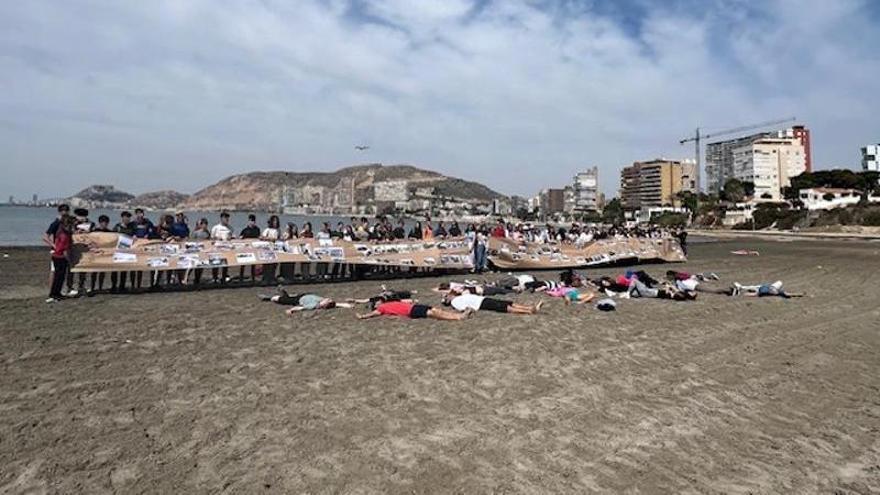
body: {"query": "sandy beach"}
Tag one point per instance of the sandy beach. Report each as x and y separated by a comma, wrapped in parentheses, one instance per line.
(213, 391)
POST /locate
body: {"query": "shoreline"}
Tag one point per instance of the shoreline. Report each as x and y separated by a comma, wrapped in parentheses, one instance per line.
(787, 235)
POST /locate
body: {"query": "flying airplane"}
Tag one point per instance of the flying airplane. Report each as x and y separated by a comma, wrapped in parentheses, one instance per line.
(362, 148)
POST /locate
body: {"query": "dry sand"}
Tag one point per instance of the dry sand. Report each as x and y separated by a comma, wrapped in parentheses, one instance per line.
(213, 391)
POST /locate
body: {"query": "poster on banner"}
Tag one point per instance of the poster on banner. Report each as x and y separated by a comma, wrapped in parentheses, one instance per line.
(124, 258)
(124, 241)
(245, 258)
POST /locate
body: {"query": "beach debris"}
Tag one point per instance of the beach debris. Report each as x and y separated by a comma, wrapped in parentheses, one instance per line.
(5, 255)
(606, 304)
(745, 252)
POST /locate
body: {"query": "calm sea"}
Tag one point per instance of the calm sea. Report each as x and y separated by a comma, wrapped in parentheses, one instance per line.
(23, 226)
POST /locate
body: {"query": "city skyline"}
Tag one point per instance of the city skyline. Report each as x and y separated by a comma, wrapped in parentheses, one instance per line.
(515, 95)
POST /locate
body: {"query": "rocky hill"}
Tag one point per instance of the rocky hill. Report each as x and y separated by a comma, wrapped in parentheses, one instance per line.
(264, 190)
(100, 195)
(159, 200)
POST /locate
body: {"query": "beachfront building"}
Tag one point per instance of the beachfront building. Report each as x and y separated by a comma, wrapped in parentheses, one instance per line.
(769, 163)
(720, 165)
(568, 200)
(551, 201)
(827, 198)
(656, 183)
(871, 158)
(585, 191)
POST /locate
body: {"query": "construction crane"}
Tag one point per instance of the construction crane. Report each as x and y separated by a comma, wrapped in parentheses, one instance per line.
(699, 137)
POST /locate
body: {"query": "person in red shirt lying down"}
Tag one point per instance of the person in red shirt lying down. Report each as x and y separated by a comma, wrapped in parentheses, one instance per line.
(410, 310)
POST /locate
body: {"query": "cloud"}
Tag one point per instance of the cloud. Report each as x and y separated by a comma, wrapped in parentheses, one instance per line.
(518, 95)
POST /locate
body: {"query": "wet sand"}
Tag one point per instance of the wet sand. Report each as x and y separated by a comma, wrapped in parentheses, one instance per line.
(214, 391)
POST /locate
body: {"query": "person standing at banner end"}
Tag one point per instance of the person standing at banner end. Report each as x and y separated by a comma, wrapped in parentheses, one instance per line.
(63, 241)
(221, 232)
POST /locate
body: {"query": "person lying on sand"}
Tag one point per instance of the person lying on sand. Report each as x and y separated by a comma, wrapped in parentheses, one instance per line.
(664, 291)
(701, 277)
(571, 295)
(409, 310)
(474, 302)
(303, 302)
(570, 278)
(763, 290)
(686, 282)
(386, 296)
(608, 284)
(472, 287)
(525, 282)
(640, 275)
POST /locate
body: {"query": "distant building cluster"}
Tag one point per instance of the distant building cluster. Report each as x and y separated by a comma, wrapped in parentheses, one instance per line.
(768, 160)
(580, 197)
(399, 196)
(34, 201)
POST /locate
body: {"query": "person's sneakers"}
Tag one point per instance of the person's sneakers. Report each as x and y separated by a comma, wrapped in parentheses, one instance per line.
(52, 300)
(714, 276)
(72, 293)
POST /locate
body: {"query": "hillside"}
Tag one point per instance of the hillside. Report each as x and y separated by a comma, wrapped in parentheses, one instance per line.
(264, 190)
(100, 194)
(159, 200)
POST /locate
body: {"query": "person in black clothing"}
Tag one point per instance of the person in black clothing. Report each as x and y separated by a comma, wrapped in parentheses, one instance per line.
(608, 283)
(386, 295)
(416, 231)
(399, 232)
(49, 235)
(454, 230)
(98, 278)
(682, 236)
(125, 227)
(82, 226)
(251, 231)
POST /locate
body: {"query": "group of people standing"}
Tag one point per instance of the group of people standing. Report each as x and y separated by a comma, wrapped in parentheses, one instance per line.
(177, 228)
(59, 237)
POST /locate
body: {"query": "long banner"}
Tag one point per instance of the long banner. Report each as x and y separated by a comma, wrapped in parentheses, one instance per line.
(104, 251)
(97, 252)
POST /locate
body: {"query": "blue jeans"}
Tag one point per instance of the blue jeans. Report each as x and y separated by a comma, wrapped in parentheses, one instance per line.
(480, 258)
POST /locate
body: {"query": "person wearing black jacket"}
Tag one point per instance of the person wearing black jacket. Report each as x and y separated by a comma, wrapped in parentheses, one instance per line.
(251, 231)
(400, 231)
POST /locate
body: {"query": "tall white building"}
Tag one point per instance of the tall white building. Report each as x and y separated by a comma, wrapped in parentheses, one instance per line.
(720, 155)
(871, 158)
(769, 163)
(585, 190)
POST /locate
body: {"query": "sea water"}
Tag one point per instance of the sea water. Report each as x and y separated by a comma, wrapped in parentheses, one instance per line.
(24, 226)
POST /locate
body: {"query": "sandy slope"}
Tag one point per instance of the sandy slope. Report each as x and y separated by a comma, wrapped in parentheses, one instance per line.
(212, 390)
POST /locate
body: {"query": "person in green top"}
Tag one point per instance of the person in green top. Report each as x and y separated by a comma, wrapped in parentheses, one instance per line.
(303, 302)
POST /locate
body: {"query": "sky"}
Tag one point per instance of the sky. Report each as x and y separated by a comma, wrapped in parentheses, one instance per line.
(518, 95)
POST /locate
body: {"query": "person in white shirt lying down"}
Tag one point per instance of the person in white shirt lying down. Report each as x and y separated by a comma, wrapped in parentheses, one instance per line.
(463, 302)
